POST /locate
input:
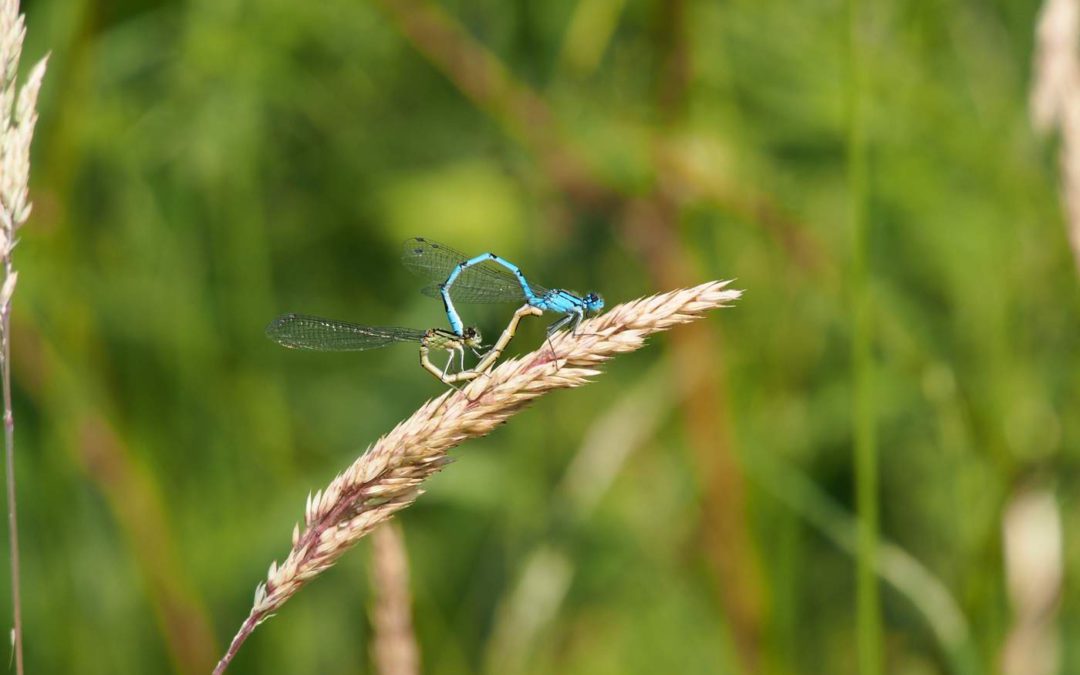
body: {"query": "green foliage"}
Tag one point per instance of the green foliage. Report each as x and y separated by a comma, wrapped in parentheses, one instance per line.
(201, 167)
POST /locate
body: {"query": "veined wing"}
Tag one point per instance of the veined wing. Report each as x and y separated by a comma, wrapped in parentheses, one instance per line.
(482, 283)
(298, 331)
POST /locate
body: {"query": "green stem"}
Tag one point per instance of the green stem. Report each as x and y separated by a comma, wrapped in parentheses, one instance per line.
(868, 603)
(9, 464)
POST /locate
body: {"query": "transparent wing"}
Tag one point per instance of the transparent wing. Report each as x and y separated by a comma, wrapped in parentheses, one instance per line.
(486, 282)
(298, 331)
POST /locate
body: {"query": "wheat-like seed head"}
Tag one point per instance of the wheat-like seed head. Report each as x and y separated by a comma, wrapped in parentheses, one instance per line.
(18, 115)
(387, 477)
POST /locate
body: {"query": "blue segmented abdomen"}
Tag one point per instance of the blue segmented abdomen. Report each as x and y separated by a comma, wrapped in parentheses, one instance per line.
(484, 278)
(526, 288)
(446, 288)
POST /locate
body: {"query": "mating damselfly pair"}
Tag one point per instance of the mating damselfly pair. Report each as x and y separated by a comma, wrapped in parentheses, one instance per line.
(486, 278)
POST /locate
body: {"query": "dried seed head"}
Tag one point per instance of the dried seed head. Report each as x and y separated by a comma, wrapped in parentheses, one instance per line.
(387, 477)
(18, 115)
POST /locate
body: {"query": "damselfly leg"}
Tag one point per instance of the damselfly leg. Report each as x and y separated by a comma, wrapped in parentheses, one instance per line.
(496, 350)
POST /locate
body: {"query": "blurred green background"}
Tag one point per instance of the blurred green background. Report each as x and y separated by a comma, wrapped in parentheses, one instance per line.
(203, 166)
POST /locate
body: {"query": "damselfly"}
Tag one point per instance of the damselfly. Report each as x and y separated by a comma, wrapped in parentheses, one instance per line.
(299, 331)
(489, 278)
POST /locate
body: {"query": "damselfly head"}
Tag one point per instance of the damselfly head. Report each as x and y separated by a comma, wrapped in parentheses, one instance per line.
(593, 303)
(471, 337)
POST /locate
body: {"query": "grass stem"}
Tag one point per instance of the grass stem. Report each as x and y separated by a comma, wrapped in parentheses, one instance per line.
(867, 600)
(9, 468)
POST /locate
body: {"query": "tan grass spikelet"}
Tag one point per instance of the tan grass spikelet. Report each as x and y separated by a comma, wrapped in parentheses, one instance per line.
(387, 477)
(1055, 99)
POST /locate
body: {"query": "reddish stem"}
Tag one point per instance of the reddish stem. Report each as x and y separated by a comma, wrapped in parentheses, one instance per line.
(245, 630)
